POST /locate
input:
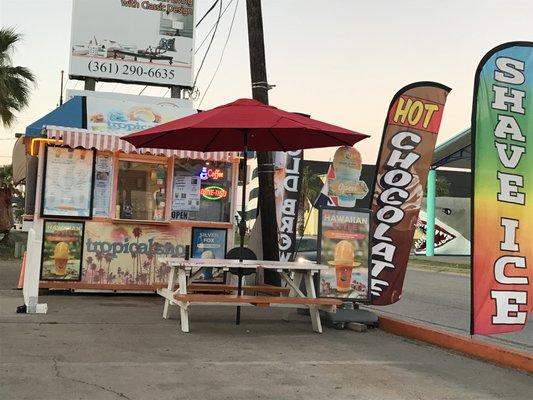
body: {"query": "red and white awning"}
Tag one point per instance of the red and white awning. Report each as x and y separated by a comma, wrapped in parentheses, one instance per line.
(74, 137)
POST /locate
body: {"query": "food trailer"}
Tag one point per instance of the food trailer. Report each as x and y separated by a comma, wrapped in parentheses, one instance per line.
(106, 212)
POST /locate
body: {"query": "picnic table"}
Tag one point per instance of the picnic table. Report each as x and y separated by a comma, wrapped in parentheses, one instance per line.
(290, 296)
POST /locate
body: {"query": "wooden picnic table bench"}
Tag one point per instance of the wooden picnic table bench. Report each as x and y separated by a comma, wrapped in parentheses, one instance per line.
(254, 300)
(292, 273)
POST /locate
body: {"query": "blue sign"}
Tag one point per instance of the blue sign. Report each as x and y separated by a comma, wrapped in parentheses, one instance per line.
(208, 243)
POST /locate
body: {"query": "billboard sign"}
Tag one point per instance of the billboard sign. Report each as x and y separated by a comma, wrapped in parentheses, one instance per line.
(133, 41)
(115, 113)
(502, 275)
(407, 145)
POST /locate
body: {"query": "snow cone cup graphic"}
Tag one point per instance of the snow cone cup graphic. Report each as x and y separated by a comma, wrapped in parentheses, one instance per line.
(347, 165)
(61, 256)
(343, 263)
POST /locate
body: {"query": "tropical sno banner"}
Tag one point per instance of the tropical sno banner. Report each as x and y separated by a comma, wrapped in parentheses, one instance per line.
(502, 277)
(129, 254)
(118, 113)
(409, 138)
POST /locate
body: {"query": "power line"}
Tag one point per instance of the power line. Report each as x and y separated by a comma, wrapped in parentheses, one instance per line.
(209, 46)
(207, 13)
(210, 30)
(221, 54)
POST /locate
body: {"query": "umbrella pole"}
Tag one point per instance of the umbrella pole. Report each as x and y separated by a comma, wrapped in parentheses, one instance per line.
(242, 224)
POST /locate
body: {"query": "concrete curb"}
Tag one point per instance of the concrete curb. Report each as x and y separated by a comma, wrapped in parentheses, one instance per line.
(463, 344)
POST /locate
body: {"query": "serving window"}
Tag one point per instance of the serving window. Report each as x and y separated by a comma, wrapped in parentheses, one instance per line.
(201, 191)
(141, 190)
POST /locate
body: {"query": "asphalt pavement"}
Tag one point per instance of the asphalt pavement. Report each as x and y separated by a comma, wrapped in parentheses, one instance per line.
(119, 347)
(442, 299)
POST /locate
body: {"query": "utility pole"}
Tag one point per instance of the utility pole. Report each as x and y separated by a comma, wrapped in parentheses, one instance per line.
(61, 93)
(265, 167)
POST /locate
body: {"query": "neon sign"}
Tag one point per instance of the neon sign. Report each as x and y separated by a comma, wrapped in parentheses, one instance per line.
(213, 192)
(211, 173)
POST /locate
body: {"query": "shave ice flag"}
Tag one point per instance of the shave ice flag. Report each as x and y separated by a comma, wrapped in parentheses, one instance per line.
(502, 204)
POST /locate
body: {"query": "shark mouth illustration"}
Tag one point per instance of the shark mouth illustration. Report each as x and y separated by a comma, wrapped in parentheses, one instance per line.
(442, 236)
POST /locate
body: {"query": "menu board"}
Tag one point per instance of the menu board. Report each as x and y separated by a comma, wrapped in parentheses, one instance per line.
(186, 193)
(68, 182)
(102, 184)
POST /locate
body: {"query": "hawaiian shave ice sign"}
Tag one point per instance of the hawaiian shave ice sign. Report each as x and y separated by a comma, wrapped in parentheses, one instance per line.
(502, 275)
(409, 138)
(121, 113)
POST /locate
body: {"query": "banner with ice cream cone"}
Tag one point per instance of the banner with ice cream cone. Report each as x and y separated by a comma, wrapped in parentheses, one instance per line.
(343, 244)
(343, 185)
(407, 146)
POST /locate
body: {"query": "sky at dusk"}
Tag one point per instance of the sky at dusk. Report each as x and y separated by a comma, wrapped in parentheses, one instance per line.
(339, 61)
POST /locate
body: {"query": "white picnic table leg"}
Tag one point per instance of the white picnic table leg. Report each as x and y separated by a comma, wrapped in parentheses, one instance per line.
(292, 293)
(184, 312)
(171, 284)
(313, 309)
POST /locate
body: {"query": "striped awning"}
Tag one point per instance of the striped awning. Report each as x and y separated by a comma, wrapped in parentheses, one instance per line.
(83, 138)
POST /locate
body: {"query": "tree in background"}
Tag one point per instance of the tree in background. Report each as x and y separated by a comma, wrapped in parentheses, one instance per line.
(442, 187)
(14, 80)
(14, 96)
(310, 189)
(7, 192)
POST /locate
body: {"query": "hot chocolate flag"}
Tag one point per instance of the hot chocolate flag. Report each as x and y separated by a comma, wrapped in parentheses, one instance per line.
(407, 146)
(502, 173)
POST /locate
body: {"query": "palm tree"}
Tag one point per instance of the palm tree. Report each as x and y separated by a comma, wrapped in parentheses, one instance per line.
(7, 191)
(14, 80)
(310, 189)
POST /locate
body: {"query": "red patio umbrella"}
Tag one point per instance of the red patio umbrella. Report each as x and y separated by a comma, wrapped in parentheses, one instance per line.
(244, 125)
